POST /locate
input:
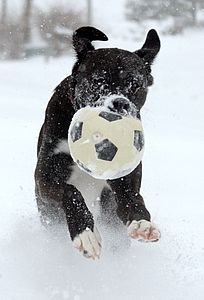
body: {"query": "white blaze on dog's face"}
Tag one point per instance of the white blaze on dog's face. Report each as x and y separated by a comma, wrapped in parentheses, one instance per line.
(109, 71)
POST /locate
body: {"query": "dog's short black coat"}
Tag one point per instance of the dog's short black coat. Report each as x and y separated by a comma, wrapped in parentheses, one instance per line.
(96, 73)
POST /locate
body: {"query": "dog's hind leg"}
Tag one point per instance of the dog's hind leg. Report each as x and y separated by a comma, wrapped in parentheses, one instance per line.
(50, 212)
(108, 207)
(50, 177)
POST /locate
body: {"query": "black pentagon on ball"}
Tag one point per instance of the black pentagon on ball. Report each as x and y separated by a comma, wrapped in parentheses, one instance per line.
(109, 116)
(138, 140)
(106, 150)
(76, 131)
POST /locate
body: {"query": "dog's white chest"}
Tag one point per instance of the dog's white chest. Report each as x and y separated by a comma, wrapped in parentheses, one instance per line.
(89, 187)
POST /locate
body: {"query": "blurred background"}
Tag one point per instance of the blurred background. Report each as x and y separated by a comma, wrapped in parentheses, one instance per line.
(31, 28)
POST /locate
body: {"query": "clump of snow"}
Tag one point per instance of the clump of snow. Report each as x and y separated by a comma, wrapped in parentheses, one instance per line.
(107, 103)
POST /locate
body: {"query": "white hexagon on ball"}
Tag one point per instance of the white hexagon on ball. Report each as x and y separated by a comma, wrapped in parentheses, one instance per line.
(105, 144)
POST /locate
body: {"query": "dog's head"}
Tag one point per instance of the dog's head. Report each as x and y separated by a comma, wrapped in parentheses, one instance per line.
(112, 71)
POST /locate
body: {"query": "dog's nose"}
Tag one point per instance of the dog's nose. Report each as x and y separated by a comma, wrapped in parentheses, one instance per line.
(120, 104)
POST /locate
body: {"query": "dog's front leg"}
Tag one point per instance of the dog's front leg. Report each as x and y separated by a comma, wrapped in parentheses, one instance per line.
(84, 234)
(131, 207)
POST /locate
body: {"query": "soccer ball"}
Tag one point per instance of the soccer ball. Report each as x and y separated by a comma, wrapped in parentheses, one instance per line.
(105, 144)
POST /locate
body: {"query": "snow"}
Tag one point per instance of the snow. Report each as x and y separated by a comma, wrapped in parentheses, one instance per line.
(36, 264)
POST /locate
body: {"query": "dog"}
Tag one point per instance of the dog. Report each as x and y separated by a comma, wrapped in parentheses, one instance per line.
(62, 190)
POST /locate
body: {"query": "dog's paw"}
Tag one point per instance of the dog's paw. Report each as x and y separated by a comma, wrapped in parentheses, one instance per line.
(143, 231)
(89, 243)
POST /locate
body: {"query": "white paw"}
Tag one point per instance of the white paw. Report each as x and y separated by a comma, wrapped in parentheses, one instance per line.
(89, 243)
(144, 230)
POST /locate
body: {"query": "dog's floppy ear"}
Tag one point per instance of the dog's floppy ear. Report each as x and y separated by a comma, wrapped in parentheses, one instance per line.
(83, 37)
(150, 48)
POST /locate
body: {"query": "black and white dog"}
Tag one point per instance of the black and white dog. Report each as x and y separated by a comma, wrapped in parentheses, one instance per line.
(62, 189)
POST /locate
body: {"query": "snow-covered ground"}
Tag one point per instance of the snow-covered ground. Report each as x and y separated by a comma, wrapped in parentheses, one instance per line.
(35, 264)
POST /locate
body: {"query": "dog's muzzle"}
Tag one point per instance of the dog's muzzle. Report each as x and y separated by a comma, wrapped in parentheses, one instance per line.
(118, 104)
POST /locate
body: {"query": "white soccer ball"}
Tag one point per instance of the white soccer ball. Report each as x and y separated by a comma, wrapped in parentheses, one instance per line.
(105, 144)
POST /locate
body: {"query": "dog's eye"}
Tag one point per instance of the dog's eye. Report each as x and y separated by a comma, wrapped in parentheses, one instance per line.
(98, 81)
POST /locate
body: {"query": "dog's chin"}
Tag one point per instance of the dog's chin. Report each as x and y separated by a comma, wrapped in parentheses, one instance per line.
(108, 103)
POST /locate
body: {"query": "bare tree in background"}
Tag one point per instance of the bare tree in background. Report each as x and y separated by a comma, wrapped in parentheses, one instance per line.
(89, 12)
(3, 12)
(3, 25)
(26, 21)
(53, 30)
(15, 31)
(11, 34)
(56, 26)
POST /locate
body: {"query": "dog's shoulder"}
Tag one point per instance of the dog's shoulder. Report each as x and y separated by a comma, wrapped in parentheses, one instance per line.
(63, 95)
(61, 102)
(60, 110)
(65, 88)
